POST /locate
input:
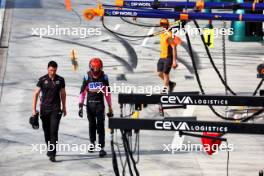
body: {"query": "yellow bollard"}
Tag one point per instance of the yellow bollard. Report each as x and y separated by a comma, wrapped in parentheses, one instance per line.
(74, 61)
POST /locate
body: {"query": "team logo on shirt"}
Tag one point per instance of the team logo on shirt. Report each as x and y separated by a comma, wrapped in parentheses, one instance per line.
(57, 82)
(46, 82)
(95, 85)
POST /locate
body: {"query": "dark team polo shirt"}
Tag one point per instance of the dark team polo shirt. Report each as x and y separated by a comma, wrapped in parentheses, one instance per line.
(50, 92)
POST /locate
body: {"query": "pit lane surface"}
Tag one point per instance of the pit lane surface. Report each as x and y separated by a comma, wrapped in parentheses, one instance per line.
(136, 60)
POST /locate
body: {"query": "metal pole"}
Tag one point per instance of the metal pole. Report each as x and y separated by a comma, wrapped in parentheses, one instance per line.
(91, 13)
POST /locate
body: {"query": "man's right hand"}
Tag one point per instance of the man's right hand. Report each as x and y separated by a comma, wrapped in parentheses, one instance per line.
(81, 110)
(34, 112)
(110, 112)
(174, 65)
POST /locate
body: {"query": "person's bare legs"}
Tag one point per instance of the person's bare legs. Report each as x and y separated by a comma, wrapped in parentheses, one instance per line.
(160, 74)
(166, 80)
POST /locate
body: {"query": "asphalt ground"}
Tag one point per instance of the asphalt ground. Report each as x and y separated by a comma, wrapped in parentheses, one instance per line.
(28, 55)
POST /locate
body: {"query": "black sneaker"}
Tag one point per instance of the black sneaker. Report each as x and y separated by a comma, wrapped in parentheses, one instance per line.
(102, 153)
(52, 159)
(171, 86)
(91, 148)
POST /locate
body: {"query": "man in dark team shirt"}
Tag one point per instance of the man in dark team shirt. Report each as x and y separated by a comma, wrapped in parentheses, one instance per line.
(53, 95)
(96, 85)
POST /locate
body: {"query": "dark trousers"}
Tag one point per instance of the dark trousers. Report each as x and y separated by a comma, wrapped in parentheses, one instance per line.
(96, 118)
(50, 125)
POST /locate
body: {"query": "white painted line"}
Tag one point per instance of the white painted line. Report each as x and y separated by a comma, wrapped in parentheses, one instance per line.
(2, 14)
(151, 31)
(177, 140)
(117, 26)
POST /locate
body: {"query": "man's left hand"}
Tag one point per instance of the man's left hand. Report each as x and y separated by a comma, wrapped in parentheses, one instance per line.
(64, 111)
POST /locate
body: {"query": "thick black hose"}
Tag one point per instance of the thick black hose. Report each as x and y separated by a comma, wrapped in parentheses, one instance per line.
(120, 157)
(114, 159)
(258, 87)
(198, 78)
(253, 115)
(126, 152)
(221, 78)
(193, 62)
(130, 154)
(212, 61)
